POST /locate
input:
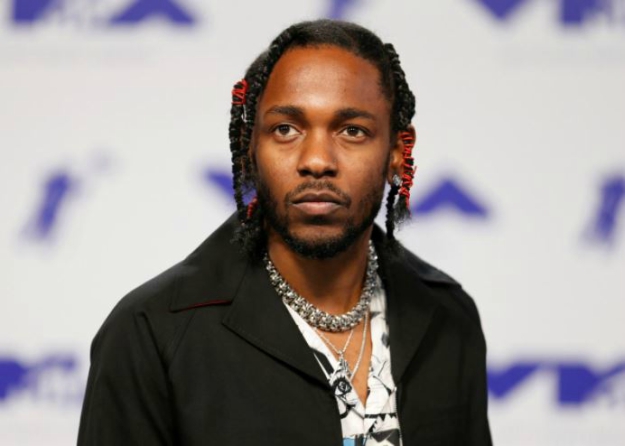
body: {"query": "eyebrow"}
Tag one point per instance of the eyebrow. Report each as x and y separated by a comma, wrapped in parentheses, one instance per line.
(342, 114)
(352, 113)
(287, 110)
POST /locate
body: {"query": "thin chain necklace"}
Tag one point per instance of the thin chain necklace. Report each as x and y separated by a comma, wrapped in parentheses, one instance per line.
(343, 364)
(318, 318)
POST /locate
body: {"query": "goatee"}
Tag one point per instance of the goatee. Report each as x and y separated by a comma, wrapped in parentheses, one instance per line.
(322, 247)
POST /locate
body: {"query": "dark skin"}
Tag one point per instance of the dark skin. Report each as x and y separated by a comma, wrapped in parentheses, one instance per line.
(323, 117)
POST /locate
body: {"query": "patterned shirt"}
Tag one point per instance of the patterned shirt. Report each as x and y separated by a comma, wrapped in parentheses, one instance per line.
(376, 423)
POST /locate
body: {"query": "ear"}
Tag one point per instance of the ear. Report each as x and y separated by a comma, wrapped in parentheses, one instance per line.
(396, 158)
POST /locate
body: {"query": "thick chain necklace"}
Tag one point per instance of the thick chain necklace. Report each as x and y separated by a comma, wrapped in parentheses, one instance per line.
(318, 318)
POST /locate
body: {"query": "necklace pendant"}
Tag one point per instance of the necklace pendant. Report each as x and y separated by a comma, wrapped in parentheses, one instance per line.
(344, 367)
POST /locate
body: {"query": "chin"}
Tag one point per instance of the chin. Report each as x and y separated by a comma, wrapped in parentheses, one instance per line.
(316, 233)
(320, 243)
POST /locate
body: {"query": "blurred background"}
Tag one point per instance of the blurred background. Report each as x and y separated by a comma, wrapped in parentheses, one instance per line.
(114, 165)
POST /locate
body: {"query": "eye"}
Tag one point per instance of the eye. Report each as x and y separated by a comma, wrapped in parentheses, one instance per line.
(354, 132)
(284, 130)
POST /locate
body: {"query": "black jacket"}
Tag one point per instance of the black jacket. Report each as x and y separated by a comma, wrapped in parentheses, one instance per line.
(207, 354)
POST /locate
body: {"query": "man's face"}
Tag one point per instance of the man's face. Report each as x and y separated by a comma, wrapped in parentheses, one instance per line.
(321, 149)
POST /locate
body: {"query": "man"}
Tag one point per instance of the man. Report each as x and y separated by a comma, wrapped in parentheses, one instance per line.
(315, 327)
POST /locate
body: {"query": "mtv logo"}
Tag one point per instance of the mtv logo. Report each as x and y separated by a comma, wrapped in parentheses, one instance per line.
(58, 192)
(222, 180)
(57, 188)
(606, 216)
(578, 383)
(501, 9)
(576, 12)
(54, 378)
(449, 194)
(140, 10)
(28, 12)
(571, 12)
(338, 8)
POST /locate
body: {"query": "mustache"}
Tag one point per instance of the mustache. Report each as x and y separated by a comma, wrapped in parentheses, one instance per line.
(318, 186)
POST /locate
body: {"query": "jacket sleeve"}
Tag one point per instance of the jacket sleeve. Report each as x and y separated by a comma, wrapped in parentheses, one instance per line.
(479, 429)
(127, 400)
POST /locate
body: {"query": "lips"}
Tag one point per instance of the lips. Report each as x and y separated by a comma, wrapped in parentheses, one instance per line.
(318, 203)
(318, 197)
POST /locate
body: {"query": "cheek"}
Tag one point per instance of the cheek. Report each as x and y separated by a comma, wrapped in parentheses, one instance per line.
(270, 160)
(370, 170)
(274, 173)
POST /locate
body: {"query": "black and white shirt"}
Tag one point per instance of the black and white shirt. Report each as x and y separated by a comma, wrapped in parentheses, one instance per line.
(376, 423)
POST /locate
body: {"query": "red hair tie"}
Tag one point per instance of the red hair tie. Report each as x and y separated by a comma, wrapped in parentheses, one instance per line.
(238, 92)
(407, 165)
(252, 207)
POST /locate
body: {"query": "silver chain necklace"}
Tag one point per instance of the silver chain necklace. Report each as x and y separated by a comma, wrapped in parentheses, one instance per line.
(343, 365)
(318, 318)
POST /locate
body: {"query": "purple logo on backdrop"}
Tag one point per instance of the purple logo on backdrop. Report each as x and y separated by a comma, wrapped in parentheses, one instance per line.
(338, 8)
(223, 182)
(55, 191)
(501, 9)
(220, 179)
(451, 195)
(448, 194)
(27, 12)
(577, 383)
(55, 378)
(571, 12)
(604, 224)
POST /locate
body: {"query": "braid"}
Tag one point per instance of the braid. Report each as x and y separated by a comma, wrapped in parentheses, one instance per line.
(403, 111)
(353, 38)
(390, 214)
(234, 131)
(250, 233)
(404, 100)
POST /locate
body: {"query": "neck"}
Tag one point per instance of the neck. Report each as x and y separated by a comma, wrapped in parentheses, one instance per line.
(333, 285)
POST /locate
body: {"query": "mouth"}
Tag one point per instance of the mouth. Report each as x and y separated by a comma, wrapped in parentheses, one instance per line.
(318, 203)
(318, 197)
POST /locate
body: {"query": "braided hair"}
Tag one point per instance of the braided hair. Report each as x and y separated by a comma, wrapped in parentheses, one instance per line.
(360, 42)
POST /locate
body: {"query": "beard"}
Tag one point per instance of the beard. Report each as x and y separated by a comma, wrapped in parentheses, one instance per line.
(320, 247)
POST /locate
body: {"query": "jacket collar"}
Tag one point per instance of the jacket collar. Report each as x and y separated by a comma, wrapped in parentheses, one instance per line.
(217, 273)
(259, 316)
(411, 307)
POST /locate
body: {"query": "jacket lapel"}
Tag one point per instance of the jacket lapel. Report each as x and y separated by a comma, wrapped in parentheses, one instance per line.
(217, 273)
(410, 310)
(259, 316)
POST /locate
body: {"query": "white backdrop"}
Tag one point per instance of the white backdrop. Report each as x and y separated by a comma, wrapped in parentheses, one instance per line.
(114, 155)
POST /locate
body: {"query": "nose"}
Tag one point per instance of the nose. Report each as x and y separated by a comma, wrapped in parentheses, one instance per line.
(317, 156)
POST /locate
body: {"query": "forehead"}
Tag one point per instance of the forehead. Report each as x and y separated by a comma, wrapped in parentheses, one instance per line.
(325, 76)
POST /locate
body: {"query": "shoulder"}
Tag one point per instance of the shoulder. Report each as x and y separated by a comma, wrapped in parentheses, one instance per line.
(422, 280)
(455, 315)
(142, 314)
(413, 282)
(449, 291)
(153, 295)
(155, 309)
